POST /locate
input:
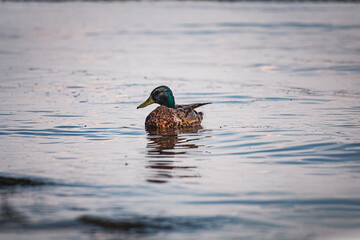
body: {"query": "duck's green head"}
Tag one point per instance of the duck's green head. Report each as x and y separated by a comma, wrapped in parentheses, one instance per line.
(161, 95)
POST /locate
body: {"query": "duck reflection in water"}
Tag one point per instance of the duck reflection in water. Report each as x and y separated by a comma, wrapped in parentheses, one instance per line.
(9, 216)
(167, 148)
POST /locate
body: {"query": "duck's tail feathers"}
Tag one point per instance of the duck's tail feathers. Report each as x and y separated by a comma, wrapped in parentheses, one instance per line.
(196, 105)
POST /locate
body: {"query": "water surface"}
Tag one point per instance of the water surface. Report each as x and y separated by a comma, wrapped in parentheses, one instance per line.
(277, 156)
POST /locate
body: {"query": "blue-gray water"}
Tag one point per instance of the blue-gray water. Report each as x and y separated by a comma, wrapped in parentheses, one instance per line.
(278, 155)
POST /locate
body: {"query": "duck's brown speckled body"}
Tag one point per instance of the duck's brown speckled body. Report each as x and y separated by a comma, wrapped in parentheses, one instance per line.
(180, 116)
(169, 115)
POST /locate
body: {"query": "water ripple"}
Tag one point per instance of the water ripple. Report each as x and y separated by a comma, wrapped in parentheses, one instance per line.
(60, 131)
(354, 202)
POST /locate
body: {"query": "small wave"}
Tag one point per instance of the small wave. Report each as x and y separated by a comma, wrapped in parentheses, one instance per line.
(297, 25)
(148, 224)
(63, 115)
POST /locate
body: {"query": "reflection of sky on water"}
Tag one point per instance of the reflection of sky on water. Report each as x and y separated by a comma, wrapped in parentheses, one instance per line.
(277, 157)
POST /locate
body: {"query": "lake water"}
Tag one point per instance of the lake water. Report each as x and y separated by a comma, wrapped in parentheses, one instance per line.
(278, 154)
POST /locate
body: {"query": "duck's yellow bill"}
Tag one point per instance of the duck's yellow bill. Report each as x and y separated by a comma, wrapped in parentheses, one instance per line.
(146, 103)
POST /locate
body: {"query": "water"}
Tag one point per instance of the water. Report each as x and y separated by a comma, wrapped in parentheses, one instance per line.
(277, 156)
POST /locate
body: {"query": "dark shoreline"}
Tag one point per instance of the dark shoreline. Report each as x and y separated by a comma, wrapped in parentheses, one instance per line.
(21, 182)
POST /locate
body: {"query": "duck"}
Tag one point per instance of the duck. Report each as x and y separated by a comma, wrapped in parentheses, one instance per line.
(170, 115)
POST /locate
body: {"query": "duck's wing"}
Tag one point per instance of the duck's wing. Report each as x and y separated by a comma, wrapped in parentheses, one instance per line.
(187, 115)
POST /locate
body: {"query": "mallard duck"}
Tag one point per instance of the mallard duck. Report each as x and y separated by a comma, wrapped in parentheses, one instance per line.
(169, 115)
